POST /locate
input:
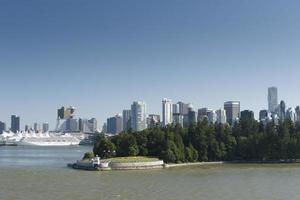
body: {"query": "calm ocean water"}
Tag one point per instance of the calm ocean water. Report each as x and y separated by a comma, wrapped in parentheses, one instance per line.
(39, 173)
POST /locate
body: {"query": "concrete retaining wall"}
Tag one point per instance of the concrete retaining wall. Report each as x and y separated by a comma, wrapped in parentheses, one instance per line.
(192, 164)
(137, 165)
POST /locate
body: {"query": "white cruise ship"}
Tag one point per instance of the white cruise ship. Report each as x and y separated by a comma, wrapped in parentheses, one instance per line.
(59, 140)
(37, 139)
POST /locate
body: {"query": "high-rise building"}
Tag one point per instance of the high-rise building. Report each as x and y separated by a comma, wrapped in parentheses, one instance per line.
(71, 125)
(93, 125)
(183, 108)
(115, 124)
(36, 127)
(167, 112)
(176, 109)
(126, 120)
(65, 118)
(178, 119)
(263, 114)
(28, 128)
(290, 114)
(45, 127)
(221, 116)
(202, 114)
(211, 116)
(272, 99)
(281, 110)
(232, 111)
(87, 125)
(297, 112)
(191, 117)
(104, 128)
(138, 116)
(153, 121)
(81, 125)
(247, 115)
(208, 114)
(2, 127)
(15, 123)
(61, 113)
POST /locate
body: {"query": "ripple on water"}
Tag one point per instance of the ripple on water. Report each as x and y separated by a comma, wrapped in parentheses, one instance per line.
(227, 182)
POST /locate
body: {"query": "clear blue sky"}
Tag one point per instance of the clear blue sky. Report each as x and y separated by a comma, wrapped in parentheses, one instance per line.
(101, 55)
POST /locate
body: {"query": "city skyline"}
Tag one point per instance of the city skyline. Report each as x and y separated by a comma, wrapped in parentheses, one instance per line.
(174, 108)
(101, 56)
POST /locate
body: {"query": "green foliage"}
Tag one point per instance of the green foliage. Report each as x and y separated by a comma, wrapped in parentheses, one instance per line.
(126, 145)
(88, 155)
(246, 140)
(104, 148)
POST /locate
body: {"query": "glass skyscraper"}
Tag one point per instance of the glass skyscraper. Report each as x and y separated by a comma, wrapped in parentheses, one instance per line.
(126, 120)
(138, 116)
(167, 112)
(272, 99)
(233, 110)
(15, 123)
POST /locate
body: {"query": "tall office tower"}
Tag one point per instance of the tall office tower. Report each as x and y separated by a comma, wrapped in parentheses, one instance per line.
(208, 114)
(211, 116)
(281, 110)
(178, 119)
(290, 114)
(297, 112)
(36, 127)
(45, 127)
(65, 118)
(115, 125)
(138, 116)
(87, 125)
(183, 108)
(81, 124)
(247, 115)
(221, 116)
(126, 120)
(176, 108)
(232, 111)
(2, 127)
(272, 99)
(61, 113)
(191, 117)
(104, 128)
(202, 114)
(167, 112)
(70, 125)
(263, 114)
(15, 123)
(92, 124)
(27, 128)
(153, 121)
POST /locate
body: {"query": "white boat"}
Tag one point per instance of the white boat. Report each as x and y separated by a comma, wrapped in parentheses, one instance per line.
(57, 140)
(45, 139)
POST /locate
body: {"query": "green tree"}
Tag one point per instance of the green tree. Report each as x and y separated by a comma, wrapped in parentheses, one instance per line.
(104, 148)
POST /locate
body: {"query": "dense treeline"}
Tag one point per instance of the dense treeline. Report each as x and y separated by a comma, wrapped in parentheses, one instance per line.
(247, 140)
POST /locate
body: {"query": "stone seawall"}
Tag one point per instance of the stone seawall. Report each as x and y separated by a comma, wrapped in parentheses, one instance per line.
(137, 165)
(193, 164)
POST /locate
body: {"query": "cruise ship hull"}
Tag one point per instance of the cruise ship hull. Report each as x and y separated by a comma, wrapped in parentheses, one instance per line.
(23, 143)
(49, 141)
(33, 139)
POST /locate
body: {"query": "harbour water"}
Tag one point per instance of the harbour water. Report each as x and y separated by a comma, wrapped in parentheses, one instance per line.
(41, 173)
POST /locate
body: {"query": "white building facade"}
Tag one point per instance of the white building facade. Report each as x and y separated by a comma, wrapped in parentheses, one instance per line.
(138, 116)
(167, 112)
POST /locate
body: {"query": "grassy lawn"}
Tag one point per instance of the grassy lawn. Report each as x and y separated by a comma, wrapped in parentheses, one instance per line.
(132, 159)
